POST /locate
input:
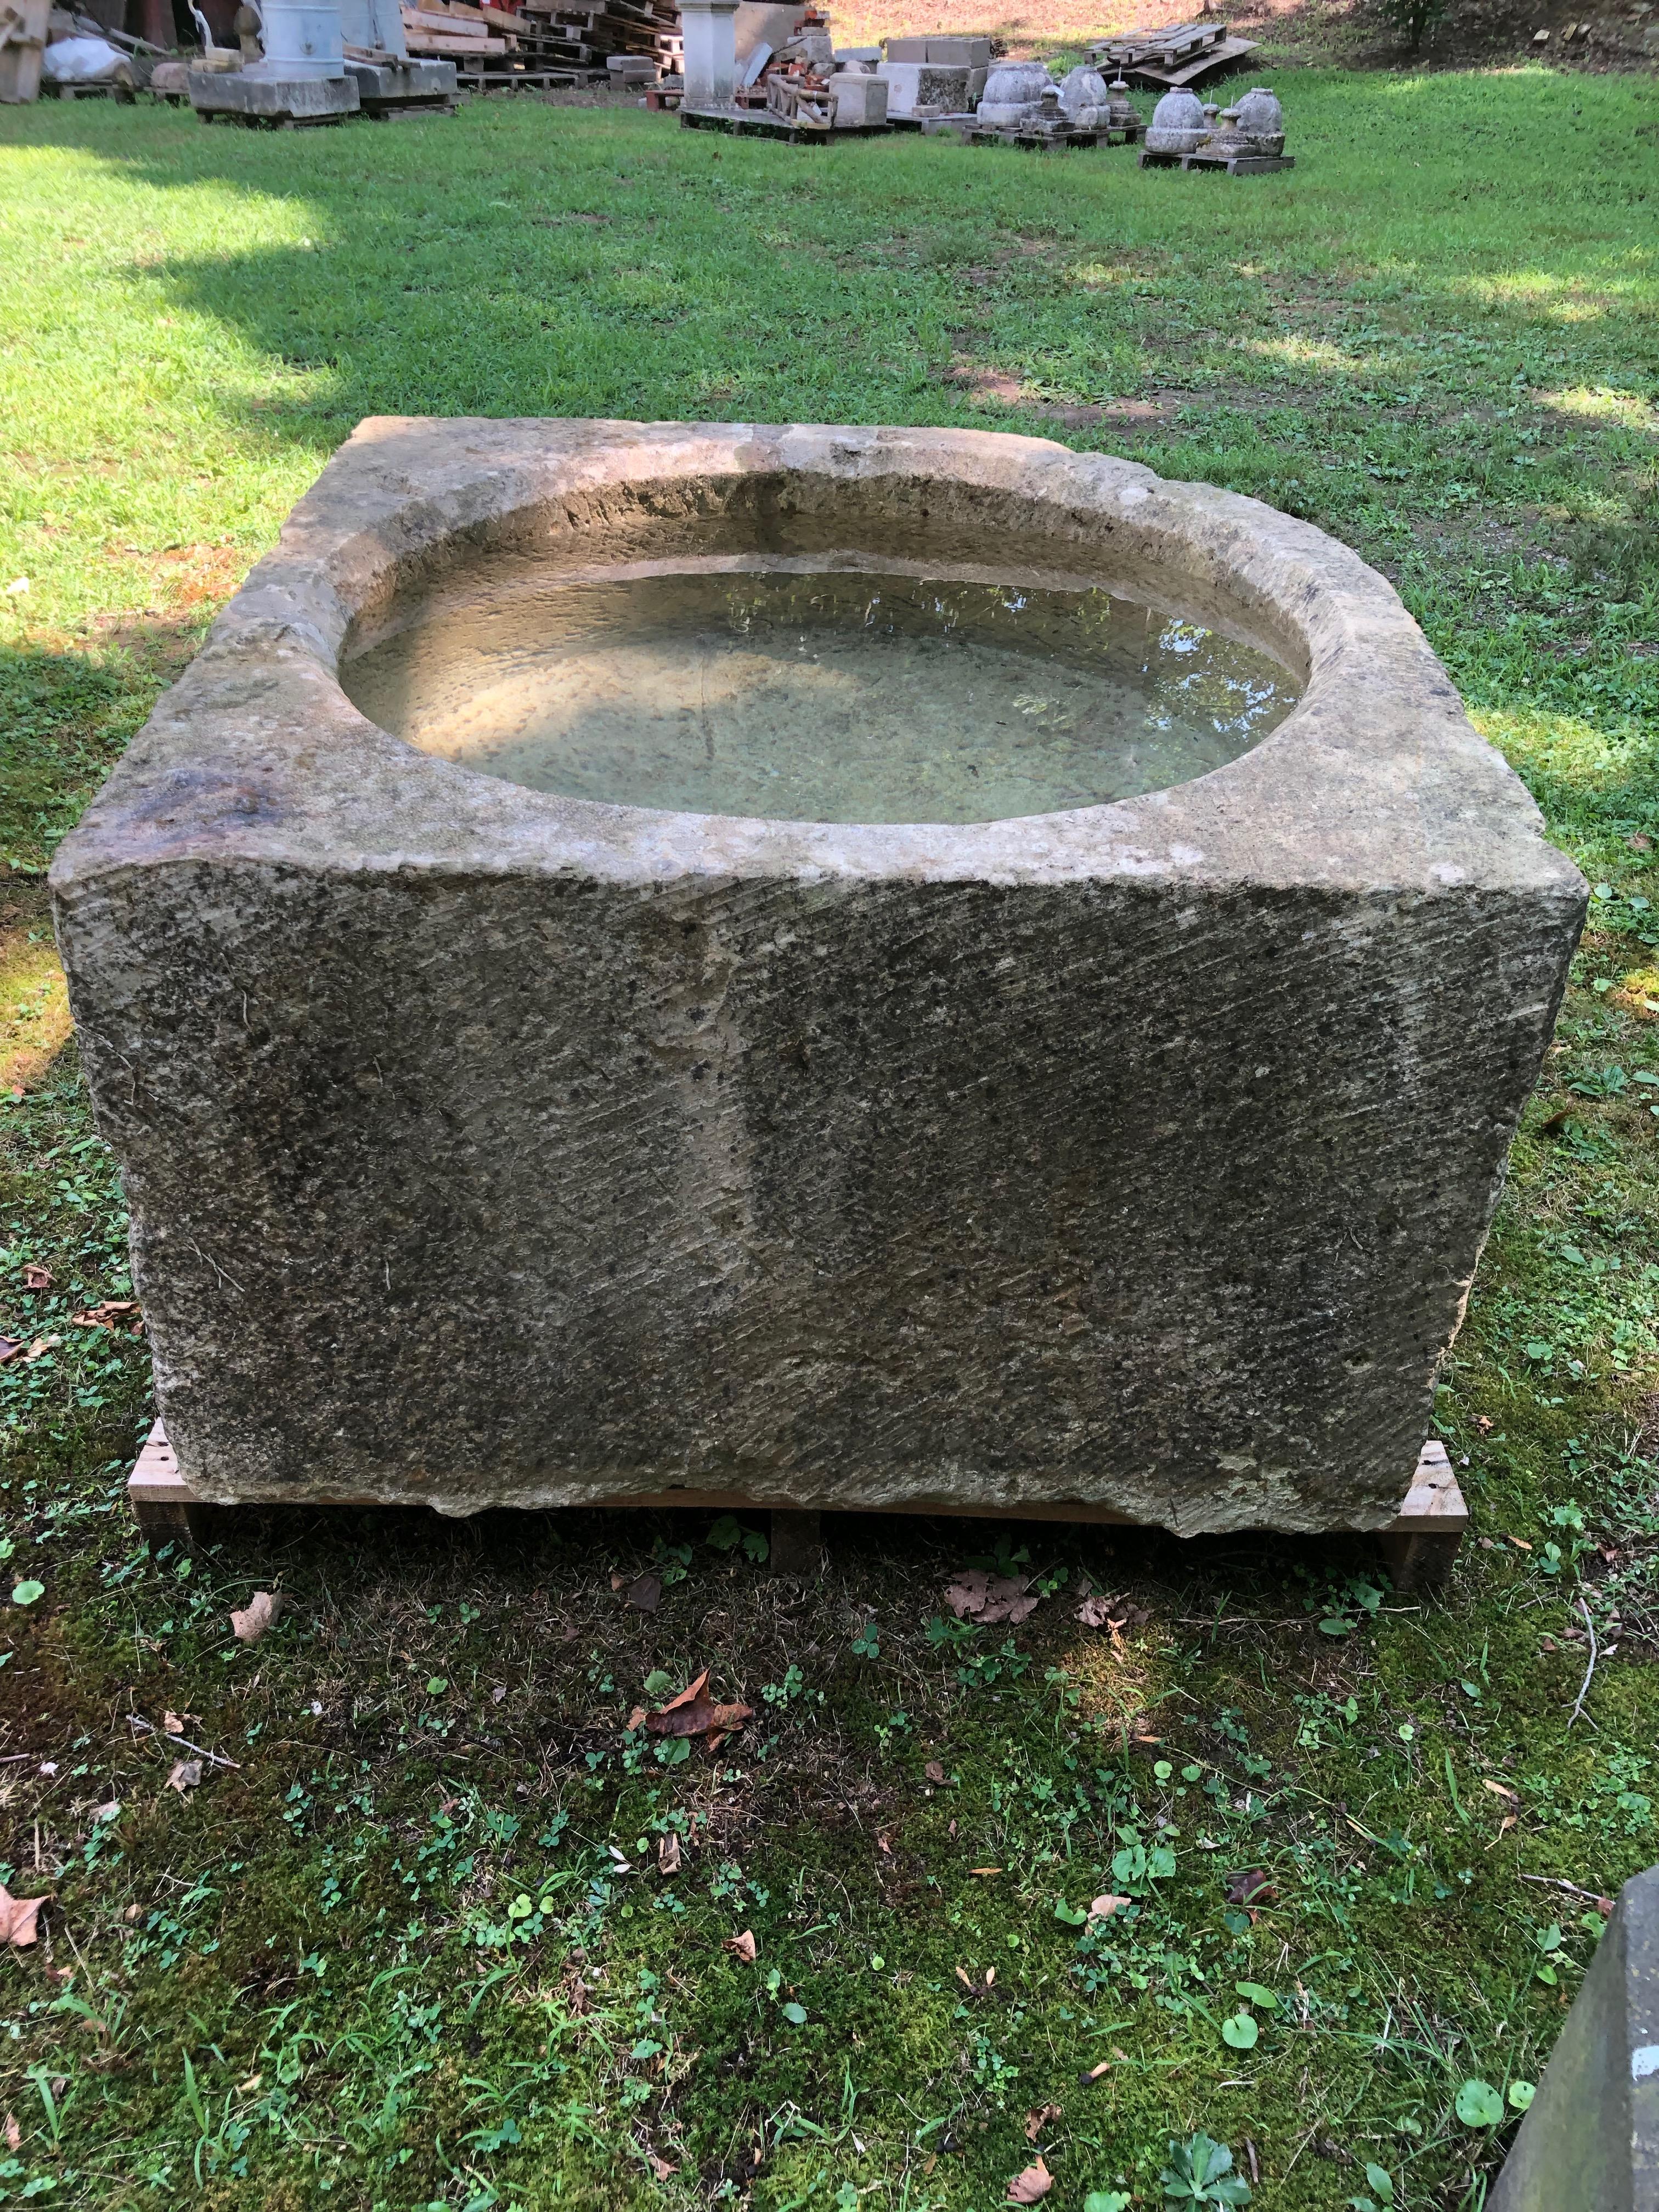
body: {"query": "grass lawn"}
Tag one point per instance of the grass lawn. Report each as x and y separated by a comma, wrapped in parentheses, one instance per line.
(409, 1940)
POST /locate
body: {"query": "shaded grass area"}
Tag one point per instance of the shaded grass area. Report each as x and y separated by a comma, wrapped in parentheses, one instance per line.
(416, 1947)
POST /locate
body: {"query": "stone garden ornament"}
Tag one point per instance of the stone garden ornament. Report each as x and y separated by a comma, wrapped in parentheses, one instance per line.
(487, 1145)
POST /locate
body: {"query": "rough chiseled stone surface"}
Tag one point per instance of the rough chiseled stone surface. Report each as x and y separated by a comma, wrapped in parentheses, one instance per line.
(486, 1147)
(1590, 2142)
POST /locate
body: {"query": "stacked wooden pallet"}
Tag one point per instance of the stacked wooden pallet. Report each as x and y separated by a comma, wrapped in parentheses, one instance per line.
(454, 31)
(503, 50)
(1179, 55)
(603, 28)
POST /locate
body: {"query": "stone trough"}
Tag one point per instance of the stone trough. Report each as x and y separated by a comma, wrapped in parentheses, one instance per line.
(489, 1144)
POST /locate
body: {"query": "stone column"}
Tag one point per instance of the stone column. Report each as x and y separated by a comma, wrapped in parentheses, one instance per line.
(709, 29)
(303, 40)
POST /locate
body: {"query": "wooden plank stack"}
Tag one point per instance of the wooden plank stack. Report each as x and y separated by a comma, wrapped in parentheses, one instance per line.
(600, 28)
(450, 30)
(537, 48)
(1179, 55)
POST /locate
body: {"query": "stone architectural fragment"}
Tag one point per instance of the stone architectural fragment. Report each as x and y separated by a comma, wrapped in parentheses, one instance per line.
(241, 96)
(488, 1146)
(1590, 2141)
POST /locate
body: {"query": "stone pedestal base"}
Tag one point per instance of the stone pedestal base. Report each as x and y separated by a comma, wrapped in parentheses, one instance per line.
(274, 102)
(412, 88)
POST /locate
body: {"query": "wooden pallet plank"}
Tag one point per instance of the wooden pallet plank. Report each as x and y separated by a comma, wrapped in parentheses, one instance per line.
(1419, 1545)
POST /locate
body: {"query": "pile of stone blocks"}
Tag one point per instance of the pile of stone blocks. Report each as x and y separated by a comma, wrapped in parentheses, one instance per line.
(935, 77)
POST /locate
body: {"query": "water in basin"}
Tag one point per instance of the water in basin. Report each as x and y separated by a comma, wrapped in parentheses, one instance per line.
(846, 695)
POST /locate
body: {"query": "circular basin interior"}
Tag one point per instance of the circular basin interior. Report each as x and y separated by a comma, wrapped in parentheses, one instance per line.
(840, 690)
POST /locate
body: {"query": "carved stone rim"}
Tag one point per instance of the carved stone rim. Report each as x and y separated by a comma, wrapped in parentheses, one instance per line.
(1375, 781)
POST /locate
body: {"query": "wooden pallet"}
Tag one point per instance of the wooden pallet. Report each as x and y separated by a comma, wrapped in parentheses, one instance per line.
(1237, 165)
(1419, 1545)
(276, 122)
(1169, 45)
(127, 93)
(405, 110)
(756, 123)
(529, 80)
(1173, 66)
(1050, 142)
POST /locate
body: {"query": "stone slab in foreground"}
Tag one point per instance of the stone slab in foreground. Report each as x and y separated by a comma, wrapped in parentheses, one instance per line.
(488, 1146)
(1590, 2142)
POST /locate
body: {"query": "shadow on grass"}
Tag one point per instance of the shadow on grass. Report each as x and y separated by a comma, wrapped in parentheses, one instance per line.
(67, 716)
(349, 1547)
(530, 260)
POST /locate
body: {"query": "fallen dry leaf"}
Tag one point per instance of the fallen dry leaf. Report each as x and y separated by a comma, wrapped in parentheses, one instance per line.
(644, 1592)
(36, 1278)
(171, 1724)
(18, 1917)
(1104, 1907)
(261, 1611)
(13, 2133)
(661, 2167)
(1036, 2121)
(1498, 1790)
(985, 1870)
(1249, 1887)
(700, 1717)
(9, 1348)
(110, 1313)
(1031, 2187)
(41, 1346)
(977, 1595)
(1099, 1611)
(692, 1714)
(933, 1770)
(668, 1853)
(741, 1946)
(498, 1694)
(185, 1775)
(1115, 1613)
(689, 1695)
